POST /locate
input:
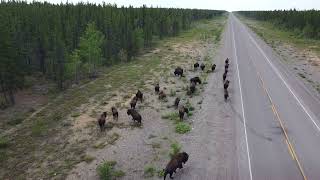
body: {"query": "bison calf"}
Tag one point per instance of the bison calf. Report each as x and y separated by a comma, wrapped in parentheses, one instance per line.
(175, 163)
(182, 110)
(102, 120)
(139, 95)
(135, 115)
(115, 113)
(195, 80)
(156, 88)
(202, 66)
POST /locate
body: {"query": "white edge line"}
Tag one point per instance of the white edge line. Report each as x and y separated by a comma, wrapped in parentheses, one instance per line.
(280, 76)
(242, 106)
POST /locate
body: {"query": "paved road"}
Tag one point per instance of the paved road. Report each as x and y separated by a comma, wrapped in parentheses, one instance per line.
(279, 115)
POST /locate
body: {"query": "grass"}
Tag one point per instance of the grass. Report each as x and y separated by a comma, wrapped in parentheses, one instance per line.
(149, 171)
(106, 171)
(172, 93)
(173, 116)
(271, 34)
(175, 149)
(182, 128)
(160, 173)
(87, 158)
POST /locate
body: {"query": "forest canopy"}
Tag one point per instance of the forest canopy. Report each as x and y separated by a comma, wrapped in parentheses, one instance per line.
(303, 23)
(68, 42)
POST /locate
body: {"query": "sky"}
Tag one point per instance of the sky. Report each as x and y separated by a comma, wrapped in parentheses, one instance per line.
(229, 5)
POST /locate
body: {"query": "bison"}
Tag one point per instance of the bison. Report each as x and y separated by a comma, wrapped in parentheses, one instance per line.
(202, 66)
(226, 84)
(182, 110)
(178, 72)
(176, 102)
(135, 115)
(226, 94)
(175, 163)
(115, 113)
(224, 76)
(227, 61)
(133, 102)
(102, 120)
(213, 67)
(195, 80)
(139, 95)
(196, 65)
(157, 88)
(192, 87)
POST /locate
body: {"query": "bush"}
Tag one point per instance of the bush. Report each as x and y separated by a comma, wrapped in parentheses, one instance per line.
(149, 171)
(182, 128)
(106, 170)
(175, 149)
(173, 116)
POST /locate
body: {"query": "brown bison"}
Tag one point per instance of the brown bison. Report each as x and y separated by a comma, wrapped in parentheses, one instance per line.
(135, 115)
(102, 120)
(196, 65)
(133, 102)
(175, 163)
(115, 113)
(139, 95)
(226, 94)
(202, 66)
(176, 102)
(182, 110)
(195, 80)
(192, 87)
(226, 84)
(213, 67)
(178, 72)
(157, 88)
(224, 76)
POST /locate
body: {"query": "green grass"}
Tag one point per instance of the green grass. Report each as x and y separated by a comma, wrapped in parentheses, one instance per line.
(173, 116)
(175, 149)
(87, 158)
(172, 93)
(272, 33)
(149, 171)
(182, 128)
(106, 171)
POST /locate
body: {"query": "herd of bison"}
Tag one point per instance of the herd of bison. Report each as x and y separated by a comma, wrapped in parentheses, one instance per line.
(177, 160)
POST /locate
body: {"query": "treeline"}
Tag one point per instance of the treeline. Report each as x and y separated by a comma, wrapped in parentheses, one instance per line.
(303, 23)
(68, 42)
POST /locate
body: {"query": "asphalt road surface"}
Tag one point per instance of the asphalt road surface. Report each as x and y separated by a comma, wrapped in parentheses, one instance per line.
(274, 125)
(280, 115)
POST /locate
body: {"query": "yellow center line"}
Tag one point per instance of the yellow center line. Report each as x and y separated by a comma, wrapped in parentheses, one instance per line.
(275, 111)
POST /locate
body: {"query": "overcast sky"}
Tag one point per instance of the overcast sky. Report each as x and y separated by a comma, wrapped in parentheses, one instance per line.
(230, 5)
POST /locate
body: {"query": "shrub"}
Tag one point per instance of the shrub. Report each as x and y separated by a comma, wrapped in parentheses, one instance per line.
(149, 171)
(175, 149)
(182, 128)
(106, 170)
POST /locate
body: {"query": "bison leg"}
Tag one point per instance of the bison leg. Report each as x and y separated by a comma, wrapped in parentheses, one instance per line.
(171, 175)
